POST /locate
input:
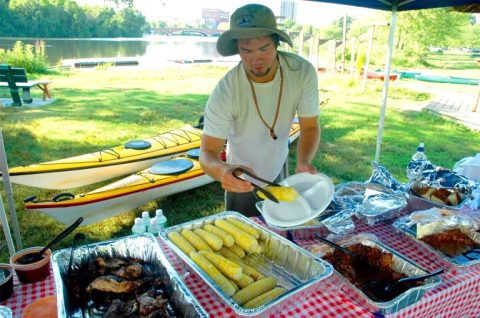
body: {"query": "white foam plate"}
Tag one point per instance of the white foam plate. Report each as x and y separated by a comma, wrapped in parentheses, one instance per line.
(315, 194)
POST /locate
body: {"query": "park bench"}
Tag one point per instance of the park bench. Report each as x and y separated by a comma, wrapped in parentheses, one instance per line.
(16, 78)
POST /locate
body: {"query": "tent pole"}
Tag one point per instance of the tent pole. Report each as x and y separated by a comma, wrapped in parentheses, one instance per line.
(6, 228)
(9, 193)
(386, 82)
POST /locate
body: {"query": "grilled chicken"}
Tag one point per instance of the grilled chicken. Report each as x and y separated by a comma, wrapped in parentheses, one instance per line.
(130, 272)
(113, 284)
(122, 309)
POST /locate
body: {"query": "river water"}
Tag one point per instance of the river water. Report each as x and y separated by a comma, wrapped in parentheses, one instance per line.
(149, 50)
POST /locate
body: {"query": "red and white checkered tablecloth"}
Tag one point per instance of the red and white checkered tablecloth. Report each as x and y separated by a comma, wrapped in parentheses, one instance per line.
(457, 296)
(25, 294)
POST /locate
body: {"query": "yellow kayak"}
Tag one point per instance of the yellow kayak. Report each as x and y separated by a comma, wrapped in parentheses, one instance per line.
(106, 164)
(162, 179)
(125, 194)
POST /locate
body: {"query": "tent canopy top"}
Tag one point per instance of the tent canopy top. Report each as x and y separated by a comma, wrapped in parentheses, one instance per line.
(402, 5)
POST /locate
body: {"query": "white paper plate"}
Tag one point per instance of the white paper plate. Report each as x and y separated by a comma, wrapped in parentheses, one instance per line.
(316, 192)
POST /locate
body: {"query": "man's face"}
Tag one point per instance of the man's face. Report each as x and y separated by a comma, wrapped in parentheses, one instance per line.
(258, 55)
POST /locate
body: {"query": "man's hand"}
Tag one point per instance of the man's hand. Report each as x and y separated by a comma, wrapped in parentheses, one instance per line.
(233, 184)
(305, 167)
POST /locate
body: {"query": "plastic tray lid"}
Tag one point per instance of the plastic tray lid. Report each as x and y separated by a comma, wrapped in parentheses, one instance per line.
(315, 194)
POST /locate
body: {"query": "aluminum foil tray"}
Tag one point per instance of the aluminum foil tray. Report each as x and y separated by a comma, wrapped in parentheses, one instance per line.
(400, 264)
(144, 247)
(299, 271)
(420, 203)
(379, 208)
(403, 226)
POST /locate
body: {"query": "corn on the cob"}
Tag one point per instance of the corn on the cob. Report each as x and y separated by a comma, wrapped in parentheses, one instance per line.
(228, 254)
(243, 239)
(248, 270)
(237, 250)
(195, 240)
(286, 194)
(253, 290)
(181, 242)
(211, 239)
(245, 227)
(228, 239)
(234, 285)
(213, 272)
(224, 265)
(244, 281)
(261, 247)
(265, 297)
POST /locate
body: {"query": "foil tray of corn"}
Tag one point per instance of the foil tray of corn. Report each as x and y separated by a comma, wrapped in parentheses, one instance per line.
(252, 269)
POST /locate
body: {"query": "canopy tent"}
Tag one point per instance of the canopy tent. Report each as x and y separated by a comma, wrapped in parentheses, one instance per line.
(394, 6)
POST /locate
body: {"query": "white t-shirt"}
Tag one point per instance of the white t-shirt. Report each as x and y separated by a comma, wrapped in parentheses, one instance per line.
(231, 113)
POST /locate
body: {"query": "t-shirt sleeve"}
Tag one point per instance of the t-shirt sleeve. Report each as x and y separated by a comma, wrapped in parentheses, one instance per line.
(308, 105)
(218, 112)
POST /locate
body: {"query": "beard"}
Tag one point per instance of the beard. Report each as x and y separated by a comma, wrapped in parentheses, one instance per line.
(261, 73)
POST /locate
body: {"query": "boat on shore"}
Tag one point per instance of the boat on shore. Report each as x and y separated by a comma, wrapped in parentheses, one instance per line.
(446, 79)
(162, 179)
(106, 164)
(125, 194)
(381, 76)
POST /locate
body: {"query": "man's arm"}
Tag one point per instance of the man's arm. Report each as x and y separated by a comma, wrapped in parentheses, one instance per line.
(307, 144)
(211, 163)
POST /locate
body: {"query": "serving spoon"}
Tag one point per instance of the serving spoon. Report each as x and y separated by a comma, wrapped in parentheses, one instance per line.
(382, 287)
(340, 248)
(37, 256)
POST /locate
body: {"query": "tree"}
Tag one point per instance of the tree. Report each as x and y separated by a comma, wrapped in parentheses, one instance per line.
(417, 30)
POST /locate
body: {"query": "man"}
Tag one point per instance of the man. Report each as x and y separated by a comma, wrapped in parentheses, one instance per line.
(253, 107)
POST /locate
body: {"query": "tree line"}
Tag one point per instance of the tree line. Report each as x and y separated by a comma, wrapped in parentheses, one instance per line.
(67, 19)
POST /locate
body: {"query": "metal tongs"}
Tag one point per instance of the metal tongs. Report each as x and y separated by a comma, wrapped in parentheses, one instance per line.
(267, 193)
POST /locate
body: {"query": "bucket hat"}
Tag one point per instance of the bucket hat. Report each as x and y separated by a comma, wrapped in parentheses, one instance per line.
(250, 21)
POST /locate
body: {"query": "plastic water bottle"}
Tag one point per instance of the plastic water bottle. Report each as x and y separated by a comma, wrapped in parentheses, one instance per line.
(138, 226)
(154, 228)
(418, 159)
(161, 219)
(146, 219)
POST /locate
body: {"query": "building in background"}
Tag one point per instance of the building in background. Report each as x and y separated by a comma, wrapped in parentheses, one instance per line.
(213, 17)
(288, 9)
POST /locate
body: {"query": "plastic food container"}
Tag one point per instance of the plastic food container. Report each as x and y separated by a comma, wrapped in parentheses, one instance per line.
(299, 271)
(400, 264)
(34, 272)
(6, 281)
(142, 246)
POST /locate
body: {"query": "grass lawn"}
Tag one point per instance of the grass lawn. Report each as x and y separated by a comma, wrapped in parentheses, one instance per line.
(96, 109)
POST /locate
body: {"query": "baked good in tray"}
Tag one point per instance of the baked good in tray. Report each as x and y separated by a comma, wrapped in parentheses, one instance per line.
(450, 197)
(374, 265)
(451, 242)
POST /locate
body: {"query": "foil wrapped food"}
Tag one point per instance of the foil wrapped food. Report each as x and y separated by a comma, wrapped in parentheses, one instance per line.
(141, 247)
(384, 197)
(444, 187)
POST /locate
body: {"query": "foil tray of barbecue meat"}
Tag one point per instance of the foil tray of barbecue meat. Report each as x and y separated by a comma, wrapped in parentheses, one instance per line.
(379, 263)
(293, 271)
(456, 246)
(126, 277)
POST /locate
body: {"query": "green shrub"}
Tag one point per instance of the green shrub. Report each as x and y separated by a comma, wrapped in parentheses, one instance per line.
(27, 56)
